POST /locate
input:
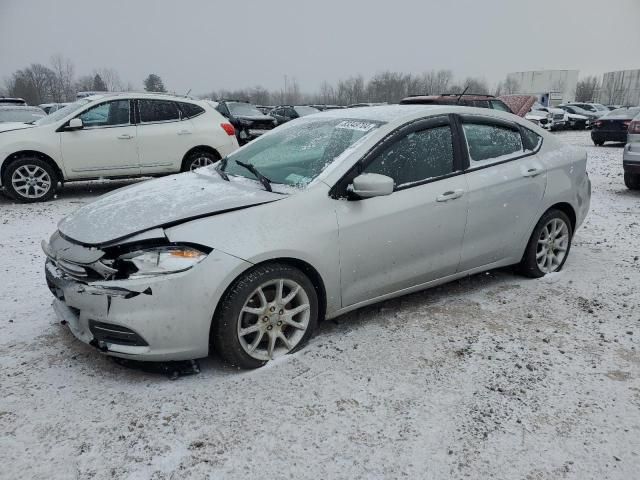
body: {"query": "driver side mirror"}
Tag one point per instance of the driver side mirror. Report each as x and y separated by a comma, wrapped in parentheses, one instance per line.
(75, 124)
(369, 185)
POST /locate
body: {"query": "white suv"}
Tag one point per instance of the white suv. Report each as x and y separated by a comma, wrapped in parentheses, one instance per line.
(111, 135)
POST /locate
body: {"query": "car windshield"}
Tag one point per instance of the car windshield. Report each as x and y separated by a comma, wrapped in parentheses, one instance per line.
(63, 112)
(296, 154)
(304, 110)
(26, 115)
(243, 109)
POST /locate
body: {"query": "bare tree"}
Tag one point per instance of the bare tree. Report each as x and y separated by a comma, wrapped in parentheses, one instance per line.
(586, 89)
(62, 88)
(110, 78)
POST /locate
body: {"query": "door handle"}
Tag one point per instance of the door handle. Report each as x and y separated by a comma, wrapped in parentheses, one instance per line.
(184, 132)
(532, 172)
(126, 136)
(450, 195)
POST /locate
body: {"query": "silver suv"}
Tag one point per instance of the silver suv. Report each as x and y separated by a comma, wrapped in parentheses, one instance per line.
(631, 156)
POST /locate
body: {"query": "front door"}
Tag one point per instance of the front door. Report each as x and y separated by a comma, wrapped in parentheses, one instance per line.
(414, 235)
(106, 146)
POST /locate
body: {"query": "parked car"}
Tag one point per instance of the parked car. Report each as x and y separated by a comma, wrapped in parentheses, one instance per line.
(117, 135)
(321, 216)
(366, 104)
(265, 109)
(577, 121)
(286, 113)
(631, 155)
(467, 99)
(596, 108)
(11, 101)
(52, 107)
(323, 107)
(20, 113)
(559, 118)
(540, 118)
(613, 126)
(248, 121)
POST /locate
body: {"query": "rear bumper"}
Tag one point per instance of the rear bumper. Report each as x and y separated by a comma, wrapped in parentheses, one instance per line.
(605, 136)
(631, 158)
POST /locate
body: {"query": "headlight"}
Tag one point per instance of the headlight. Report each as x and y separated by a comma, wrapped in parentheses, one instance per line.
(160, 260)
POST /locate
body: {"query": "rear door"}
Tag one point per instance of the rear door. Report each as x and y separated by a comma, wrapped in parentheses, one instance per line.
(164, 136)
(106, 145)
(506, 183)
(414, 235)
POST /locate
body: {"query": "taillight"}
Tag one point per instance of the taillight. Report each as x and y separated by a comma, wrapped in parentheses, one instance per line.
(227, 127)
(598, 123)
(634, 127)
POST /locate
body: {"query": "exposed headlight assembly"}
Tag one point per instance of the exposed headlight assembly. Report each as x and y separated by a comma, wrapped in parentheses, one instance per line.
(160, 260)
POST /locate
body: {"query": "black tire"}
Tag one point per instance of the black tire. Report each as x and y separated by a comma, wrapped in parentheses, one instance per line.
(529, 264)
(31, 194)
(632, 180)
(225, 337)
(599, 143)
(199, 158)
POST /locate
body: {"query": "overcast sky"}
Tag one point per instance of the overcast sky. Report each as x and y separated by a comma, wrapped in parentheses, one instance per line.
(208, 44)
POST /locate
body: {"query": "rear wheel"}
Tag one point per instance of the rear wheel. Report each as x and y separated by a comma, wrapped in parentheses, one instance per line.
(632, 180)
(199, 159)
(549, 245)
(268, 312)
(30, 179)
(598, 143)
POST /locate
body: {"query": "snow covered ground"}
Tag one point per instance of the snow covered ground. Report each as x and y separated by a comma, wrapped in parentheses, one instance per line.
(494, 376)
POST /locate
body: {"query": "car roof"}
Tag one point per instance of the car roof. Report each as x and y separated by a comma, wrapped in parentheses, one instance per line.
(19, 107)
(382, 113)
(151, 95)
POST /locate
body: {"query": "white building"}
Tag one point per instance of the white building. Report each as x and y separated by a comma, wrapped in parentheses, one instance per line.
(550, 86)
(620, 88)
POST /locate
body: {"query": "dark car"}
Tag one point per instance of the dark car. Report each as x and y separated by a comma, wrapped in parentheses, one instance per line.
(20, 113)
(284, 113)
(265, 108)
(322, 107)
(613, 126)
(248, 121)
(465, 100)
(12, 101)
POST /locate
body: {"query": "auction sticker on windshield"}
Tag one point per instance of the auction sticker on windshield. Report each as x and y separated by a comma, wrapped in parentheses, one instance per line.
(356, 125)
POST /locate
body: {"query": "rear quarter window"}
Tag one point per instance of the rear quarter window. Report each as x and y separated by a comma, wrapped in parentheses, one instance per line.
(190, 110)
(531, 140)
(491, 143)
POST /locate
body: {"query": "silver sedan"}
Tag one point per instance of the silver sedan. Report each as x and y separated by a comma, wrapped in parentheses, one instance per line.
(321, 216)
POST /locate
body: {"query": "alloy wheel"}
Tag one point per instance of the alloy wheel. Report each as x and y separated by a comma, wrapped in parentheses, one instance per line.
(201, 161)
(553, 244)
(274, 319)
(31, 181)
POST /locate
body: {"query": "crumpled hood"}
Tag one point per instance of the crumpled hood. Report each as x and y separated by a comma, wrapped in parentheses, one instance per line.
(519, 104)
(8, 126)
(161, 202)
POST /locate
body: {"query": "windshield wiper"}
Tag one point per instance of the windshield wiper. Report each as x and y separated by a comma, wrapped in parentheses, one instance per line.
(263, 180)
(221, 172)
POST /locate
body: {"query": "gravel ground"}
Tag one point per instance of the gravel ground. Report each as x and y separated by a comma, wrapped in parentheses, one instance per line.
(493, 376)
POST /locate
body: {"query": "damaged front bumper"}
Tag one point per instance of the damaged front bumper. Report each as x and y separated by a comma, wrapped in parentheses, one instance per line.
(159, 318)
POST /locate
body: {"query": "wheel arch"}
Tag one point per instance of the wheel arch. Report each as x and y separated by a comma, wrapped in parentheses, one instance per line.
(567, 209)
(31, 153)
(199, 148)
(309, 270)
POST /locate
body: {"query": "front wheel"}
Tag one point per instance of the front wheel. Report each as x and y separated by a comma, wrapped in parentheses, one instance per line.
(549, 245)
(199, 159)
(30, 179)
(632, 180)
(268, 312)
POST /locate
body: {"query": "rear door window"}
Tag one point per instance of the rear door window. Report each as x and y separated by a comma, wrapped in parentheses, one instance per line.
(152, 111)
(491, 143)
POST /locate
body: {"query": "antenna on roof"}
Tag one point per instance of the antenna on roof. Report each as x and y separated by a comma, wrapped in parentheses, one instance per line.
(463, 92)
(188, 92)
